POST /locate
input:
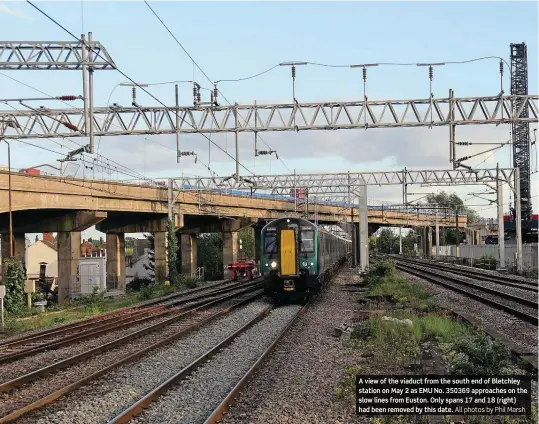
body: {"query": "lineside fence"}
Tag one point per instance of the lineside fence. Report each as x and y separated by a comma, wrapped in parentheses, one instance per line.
(474, 254)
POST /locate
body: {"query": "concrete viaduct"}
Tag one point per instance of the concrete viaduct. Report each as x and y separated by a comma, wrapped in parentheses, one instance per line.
(68, 206)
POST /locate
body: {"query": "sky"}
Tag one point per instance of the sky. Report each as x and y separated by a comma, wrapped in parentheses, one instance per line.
(231, 40)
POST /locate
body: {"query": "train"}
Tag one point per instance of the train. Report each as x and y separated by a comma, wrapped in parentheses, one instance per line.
(298, 258)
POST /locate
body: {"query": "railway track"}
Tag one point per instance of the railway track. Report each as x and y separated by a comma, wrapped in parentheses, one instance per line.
(522, 305)
(150, 407)
(500, 279)
(72, 333)
(25, 393)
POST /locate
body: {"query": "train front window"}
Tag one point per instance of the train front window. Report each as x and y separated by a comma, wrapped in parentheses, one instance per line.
(270, 243)
(307, 241)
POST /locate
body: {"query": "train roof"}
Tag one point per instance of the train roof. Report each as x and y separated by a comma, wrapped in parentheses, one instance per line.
(307, 222)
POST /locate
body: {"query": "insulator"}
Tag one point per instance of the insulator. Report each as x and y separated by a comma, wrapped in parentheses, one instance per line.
(501, 67)
(211, 96)
(198, 97)
(215, 93)
(67, 97)
(364, 74)
(194, 93)
(70, 126)
(134, 93)
(293, 71)
(431, 73)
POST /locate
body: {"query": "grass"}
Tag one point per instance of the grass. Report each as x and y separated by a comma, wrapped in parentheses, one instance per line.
(397, 339)
(86, 307)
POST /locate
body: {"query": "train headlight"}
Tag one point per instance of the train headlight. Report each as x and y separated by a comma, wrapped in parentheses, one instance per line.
(304, 263)
(312, 264)
(274, 264)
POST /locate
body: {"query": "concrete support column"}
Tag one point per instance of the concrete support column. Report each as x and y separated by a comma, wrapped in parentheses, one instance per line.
(230, 248)
(188, 253)
(19, 247)
(115, 261)
(160, 254)
(354, 245)
(425, 242)
(68, 244)
(429, 242)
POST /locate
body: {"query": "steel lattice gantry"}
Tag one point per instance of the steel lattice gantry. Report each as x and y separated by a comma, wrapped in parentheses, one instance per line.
(52, 55)
(118, 120)
(340, 183)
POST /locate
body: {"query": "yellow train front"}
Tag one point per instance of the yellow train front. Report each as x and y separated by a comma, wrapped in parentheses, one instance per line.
(297, 257)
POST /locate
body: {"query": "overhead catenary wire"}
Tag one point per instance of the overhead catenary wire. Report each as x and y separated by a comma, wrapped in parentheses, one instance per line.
(129, 170)
(71, 106)
(125, 75)
(326, 65)
(206, 75)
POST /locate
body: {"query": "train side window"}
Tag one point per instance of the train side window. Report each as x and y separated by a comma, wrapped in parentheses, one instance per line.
(307, 241)
(270, 242)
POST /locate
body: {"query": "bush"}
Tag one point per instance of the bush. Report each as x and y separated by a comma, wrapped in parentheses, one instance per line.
(93, 300)
(146, 292)
(488, 262)
(15, 276)
(480, 355)
(138, 283)
(379, 271)
(384, 268)
(188, 281)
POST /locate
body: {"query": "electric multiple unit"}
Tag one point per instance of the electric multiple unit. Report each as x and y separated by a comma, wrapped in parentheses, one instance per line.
(297, 257)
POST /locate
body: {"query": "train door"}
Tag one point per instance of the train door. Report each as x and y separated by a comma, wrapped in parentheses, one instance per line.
(288, 252)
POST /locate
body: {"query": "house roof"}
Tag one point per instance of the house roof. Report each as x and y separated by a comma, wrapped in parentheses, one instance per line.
(50, 244)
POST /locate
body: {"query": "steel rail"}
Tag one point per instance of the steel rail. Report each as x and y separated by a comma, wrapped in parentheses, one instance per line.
(70, 339)
(150, 397)
(109, 315)
(429, 275)
(224, 406)
(508, 281)
(518, 299)
(104, 347)
(11, 417)
(143, 403)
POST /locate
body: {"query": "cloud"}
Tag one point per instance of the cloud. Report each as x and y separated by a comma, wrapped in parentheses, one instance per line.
(307, 152)
(15, 12)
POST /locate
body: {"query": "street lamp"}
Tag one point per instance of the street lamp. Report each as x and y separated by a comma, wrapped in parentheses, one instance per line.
(9, 191)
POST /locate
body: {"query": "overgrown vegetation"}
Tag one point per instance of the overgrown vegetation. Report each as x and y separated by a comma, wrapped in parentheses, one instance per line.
(397, 338)
(469, 351)
(15, 276)
(487, 262)
(154, 290)
(172, 253)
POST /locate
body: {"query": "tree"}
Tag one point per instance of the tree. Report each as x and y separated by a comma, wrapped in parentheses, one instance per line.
(172, 254)
(247, 237)
(210, 255)
(451, 201)
(408, 242)
(151, 256)
(388, 241)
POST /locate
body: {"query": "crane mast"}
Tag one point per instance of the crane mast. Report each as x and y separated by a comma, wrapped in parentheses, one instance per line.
(520, 131)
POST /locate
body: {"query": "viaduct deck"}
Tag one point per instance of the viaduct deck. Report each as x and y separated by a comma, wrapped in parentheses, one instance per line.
(38, 193)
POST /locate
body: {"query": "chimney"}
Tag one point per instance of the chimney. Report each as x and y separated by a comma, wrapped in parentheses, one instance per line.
(48, 237)
(37, 238)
